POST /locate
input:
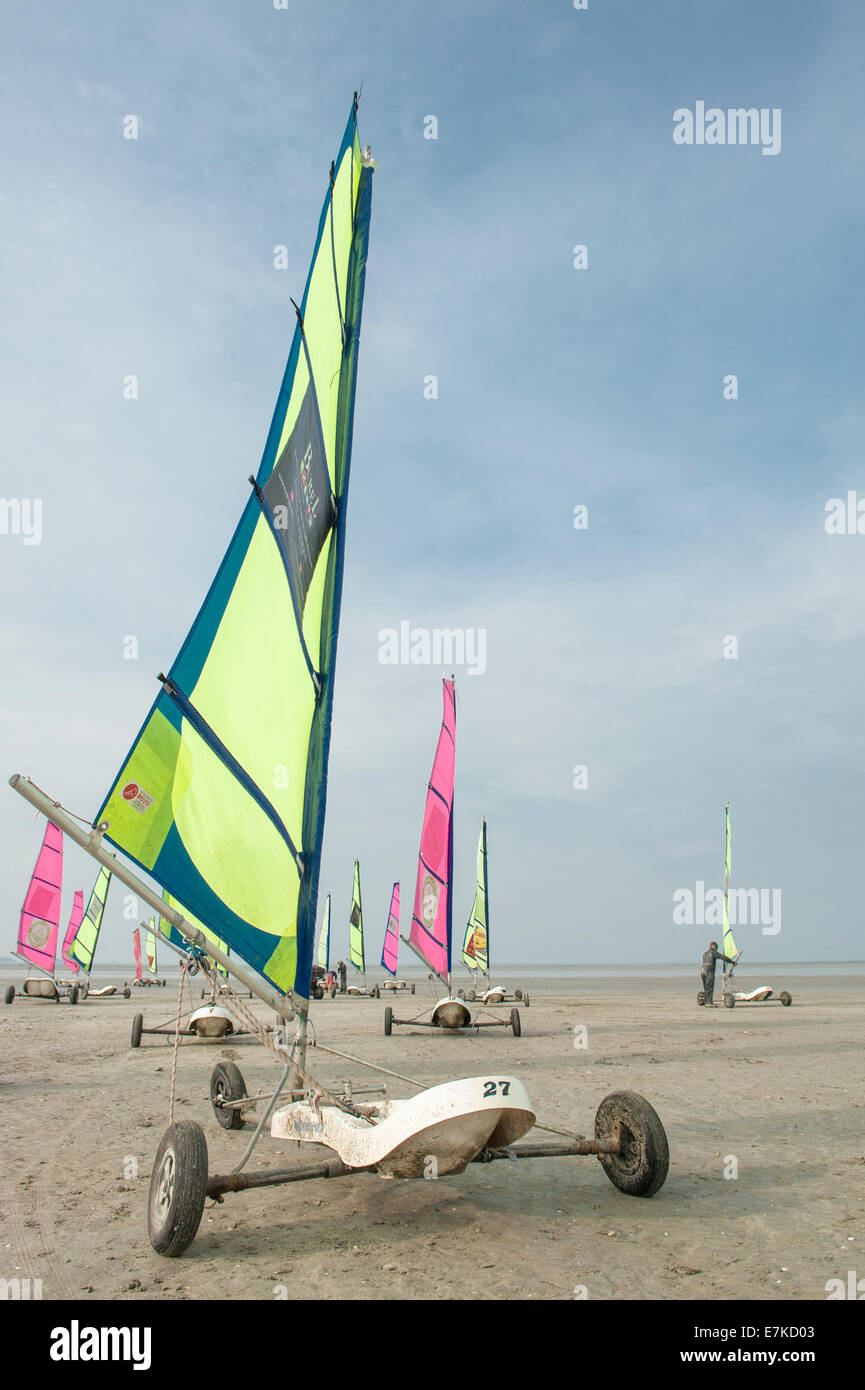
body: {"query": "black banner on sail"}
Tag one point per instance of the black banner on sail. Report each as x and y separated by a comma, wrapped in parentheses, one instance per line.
(298, 495)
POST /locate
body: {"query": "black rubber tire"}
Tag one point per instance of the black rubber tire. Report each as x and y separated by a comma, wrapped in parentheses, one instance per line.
(701, 997)
(518, 995)
(388, 1021)
(73, 995)
(461, 994)
(226, 1080)
(178, 1187)
(127, 992)
(729, 1001)
(526, 1001)
(8, 994)
(376, 993)
(318, 993)
(333, 992)
(786, 998)
(641, 1169)
(412, 989)
(516, 1026)
(137, 1025)
(472, 996)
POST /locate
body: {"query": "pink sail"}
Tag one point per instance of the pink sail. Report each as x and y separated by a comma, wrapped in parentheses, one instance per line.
(136, 946)
(40, 915)
(72, 930)
(431, 919)
(390, 950)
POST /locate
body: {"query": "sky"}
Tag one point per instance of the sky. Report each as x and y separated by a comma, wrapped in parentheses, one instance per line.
(607, 648)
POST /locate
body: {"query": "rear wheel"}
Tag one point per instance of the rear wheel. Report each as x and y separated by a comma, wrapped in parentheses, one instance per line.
(137, 1025)
(518, 994)
(701, 996)
(786, 998)
(73, 995)
(516, 1026)
(318, 992)
(227, 1083)
(8, 994)
(641, 1167)
(461, 994)
(729, 1001)
(178, 1187)
(412, 989)
(376, 993)
(526, 1000)
(388, 1021)
(127, 992)
(472, 996)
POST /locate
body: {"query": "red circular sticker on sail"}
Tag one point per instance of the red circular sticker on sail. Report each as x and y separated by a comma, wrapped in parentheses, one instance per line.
(130, 791)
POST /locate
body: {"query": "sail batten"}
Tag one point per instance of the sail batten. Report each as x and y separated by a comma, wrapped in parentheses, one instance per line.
(222, 797)
(431, 918)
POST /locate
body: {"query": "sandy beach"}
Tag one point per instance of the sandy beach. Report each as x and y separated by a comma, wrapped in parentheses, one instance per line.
(778, 1089)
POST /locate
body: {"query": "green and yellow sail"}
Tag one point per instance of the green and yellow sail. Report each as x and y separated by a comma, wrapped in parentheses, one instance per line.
(476, 947)
(355, 925)
(222, 797)
(324, 938)
(84, 944)
(728, 945)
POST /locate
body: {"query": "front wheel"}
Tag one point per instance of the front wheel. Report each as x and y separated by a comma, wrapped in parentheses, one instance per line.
(701, 996)
(127, 992)
(786, 998)
(729, 1001)
(137, 1025)
(388, 1021)
(526, 1000)
(73, 995)
(376, 993)
(412, 989)
(641, 1167)
(227, 1083)
(516, 1026)
(518, 995)
(8, 994)
(178, 1187)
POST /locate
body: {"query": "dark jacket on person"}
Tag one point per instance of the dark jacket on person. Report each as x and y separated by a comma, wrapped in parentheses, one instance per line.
(710, 960)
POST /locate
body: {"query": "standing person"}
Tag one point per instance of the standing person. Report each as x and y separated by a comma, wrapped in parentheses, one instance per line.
(707, 971)
(343, 976)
